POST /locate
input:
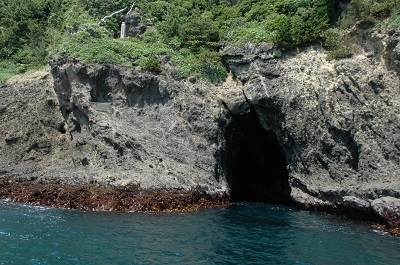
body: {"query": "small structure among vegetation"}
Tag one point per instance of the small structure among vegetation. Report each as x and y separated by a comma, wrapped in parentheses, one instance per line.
(190, 32)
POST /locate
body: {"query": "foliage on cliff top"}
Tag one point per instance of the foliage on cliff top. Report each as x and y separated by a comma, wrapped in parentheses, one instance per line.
(189, 31)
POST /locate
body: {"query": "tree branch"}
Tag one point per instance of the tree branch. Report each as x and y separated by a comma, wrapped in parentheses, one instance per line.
(133, 5)
(103, 20)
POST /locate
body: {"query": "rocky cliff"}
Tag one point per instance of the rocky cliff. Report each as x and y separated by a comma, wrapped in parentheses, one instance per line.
(284, 127)
(337, 122)
(98, 123)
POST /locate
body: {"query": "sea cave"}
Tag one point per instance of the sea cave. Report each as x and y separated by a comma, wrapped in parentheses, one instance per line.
(260, 169)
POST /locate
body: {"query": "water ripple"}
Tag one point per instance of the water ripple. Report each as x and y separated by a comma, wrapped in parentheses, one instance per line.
(242, 234)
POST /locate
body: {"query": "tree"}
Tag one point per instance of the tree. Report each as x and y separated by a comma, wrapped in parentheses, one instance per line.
(200, 30)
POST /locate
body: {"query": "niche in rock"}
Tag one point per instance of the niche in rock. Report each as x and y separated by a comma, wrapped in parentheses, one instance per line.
(100, 93)
(260, 170)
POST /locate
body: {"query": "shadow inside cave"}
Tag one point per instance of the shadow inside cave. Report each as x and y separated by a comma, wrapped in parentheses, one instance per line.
(260, 171)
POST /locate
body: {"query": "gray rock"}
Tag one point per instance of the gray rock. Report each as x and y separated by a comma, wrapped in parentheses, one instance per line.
(117, 124)
(389, 208)
(335, 125)
(134, 26)
(337, 122)
(192, 79)
(392, 50)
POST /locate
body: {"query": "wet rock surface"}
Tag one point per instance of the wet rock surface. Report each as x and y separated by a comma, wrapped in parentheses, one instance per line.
(92, 197)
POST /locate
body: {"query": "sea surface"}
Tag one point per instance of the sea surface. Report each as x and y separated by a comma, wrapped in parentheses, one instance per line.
(245, 233)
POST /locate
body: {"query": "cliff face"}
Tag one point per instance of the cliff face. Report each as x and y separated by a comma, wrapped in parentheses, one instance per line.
(336, 122)
(112, 126)
(283, 127)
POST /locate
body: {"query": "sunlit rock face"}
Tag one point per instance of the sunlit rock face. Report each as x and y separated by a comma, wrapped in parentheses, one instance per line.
(336, 122)
(284, 127)
(113, 126)
(133, 25)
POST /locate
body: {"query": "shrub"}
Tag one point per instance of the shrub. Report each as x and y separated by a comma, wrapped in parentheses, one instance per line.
(203, 62)
(210, 66)
(337, 44)
(150, 64)
(394, 21)
(280, 27)
(186, 62)
(250, 31)
(151, 36)
(200, 30)
(98, 9)
(259, 11)
(155, 10)
(172, 22)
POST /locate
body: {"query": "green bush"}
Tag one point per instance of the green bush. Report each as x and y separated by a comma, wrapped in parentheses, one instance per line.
(394, 21)
(150, 64)
(280, 27)
(172, 21)
(155, 10)
(210, 66)
(98, 9)
(202, 62)
(151, 36)
(337, 44)
(259, 11)
(286, 23)
(200, 30)
(250, 31)
(23, 27)
(96, 46)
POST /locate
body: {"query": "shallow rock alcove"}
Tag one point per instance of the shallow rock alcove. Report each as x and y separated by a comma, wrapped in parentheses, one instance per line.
(260, 169)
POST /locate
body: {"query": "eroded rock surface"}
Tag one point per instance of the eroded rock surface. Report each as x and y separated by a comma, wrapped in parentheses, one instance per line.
(113, 126)
(336, 124)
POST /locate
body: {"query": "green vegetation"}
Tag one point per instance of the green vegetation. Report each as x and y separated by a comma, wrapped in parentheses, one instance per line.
(9, 69)
(338, 44)
(360, 14)
(189, 31)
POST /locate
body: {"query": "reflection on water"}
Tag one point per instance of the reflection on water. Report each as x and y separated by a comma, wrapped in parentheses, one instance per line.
(245, 233)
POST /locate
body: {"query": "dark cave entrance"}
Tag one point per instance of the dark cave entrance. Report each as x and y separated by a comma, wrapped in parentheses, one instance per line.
(260, 171)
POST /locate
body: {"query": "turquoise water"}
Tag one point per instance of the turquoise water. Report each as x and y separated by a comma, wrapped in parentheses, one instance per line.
(245, 233)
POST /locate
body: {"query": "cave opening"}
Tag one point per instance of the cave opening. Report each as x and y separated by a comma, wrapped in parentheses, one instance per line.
(260, 172)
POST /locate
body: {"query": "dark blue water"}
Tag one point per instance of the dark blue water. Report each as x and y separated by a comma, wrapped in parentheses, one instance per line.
(242, 234)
